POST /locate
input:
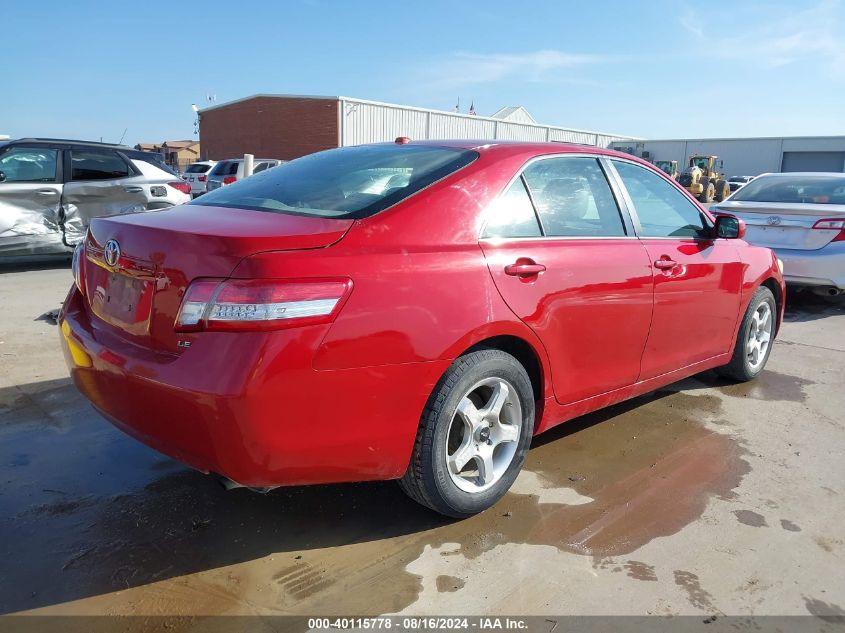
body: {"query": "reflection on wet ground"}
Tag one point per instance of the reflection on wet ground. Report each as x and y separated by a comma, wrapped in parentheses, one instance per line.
(91, 511)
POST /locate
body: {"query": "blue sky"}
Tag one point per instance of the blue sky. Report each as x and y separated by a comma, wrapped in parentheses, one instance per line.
(656, 69)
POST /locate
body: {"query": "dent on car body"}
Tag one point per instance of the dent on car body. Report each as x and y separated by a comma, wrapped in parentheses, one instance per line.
(28, 229)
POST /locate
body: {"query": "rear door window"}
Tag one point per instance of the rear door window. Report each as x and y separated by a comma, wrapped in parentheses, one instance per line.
(97, 165)
(29, 164)
(512, 214)
(573, 198)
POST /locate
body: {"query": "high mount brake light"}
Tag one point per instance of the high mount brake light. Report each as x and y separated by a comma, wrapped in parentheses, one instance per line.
(260, 304)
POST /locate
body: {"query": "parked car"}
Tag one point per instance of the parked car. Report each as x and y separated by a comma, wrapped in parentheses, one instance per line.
(196, 175)
(312, 329)
(737, 182)
(802, 217)
(50, 189)
(231, 170)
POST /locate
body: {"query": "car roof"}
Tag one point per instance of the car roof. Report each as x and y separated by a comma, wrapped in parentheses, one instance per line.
(510, 148)
(65, 141)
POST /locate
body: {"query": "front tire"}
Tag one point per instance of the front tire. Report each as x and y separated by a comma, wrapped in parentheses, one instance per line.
(755, 338)
(474, 435)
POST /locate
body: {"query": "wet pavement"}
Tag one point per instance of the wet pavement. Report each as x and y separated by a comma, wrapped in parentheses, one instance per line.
(704, 497)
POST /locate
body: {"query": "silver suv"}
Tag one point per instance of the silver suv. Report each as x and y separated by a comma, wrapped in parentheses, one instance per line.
(51, 188)
(228, 171)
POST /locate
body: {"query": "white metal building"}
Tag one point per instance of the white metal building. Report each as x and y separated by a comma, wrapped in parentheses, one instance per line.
(749, 156)
(371, 122)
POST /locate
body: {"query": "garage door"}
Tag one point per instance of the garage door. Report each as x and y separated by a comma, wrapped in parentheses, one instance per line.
(813, 161)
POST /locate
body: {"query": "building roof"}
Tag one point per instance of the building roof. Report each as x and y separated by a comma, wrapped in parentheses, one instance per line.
(402, 107)
(517, 114)
(147, 147)
(179, 144)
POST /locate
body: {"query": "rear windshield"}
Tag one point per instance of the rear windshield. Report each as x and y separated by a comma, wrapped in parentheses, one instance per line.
(225, 168)
(350, 182)
(805, 188)
(197, 168)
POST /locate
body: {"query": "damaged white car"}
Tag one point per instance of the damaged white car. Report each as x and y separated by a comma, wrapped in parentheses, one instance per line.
(51, 188)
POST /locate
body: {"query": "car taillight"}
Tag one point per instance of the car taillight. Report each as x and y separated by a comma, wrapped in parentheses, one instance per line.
(228, 180)
(202, 178)
(832, 225)
(181, 185)
(260, 304)
(76, 266)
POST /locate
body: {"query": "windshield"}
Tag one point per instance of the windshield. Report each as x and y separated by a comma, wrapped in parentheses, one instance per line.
(350, 182)
(739, 179)
(197, 168)
(702, 162)
(804, 188)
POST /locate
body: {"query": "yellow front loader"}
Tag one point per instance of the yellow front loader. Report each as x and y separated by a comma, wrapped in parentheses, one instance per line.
(702, 179)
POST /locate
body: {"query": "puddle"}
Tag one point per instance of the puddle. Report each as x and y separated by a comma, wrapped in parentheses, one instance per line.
(769, 386)
(750, 518)
(448, 584)
(650, 470)
(110, 516)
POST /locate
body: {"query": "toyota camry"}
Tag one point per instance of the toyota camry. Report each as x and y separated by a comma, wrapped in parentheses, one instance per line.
(412, 310)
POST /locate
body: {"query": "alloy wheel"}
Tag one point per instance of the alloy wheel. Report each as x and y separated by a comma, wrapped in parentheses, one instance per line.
(483, 435)
(759, 335)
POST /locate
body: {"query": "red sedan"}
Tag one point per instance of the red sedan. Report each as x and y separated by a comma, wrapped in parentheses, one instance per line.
(411, 311)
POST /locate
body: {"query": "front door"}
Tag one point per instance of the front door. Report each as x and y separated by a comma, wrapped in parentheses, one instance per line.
(30, 195)
(697, 278)
(564, 261)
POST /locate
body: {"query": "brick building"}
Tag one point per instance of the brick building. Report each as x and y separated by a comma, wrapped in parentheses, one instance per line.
(289, 126)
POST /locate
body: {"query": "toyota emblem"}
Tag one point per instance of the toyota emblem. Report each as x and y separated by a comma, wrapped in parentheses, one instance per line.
(774, 220)
(112, 252)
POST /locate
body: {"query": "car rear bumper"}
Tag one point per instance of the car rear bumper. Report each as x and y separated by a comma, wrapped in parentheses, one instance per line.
(821, 267)
(249, 406)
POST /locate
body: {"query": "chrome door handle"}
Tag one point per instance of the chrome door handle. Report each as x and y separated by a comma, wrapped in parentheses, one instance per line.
(47, 192)
(131, 189)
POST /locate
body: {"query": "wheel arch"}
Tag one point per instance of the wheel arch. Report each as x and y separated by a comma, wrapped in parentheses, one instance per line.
(772, 284)
(524, 352)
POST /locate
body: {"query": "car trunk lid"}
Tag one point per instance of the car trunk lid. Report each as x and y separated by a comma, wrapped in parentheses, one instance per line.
(160, 253)
(784, 225)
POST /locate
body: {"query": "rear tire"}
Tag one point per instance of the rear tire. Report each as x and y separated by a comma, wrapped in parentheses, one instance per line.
(750, 353)
(723, 190)
(460, 425)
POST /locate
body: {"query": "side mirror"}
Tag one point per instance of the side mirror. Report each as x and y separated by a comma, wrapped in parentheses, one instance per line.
(730, 227)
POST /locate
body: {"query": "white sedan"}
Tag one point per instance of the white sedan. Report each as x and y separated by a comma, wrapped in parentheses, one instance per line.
(801, 216)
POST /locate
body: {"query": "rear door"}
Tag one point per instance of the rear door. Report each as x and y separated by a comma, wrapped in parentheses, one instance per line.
(697, 279)
(100, 182)
(30, 199)
(567, 263)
